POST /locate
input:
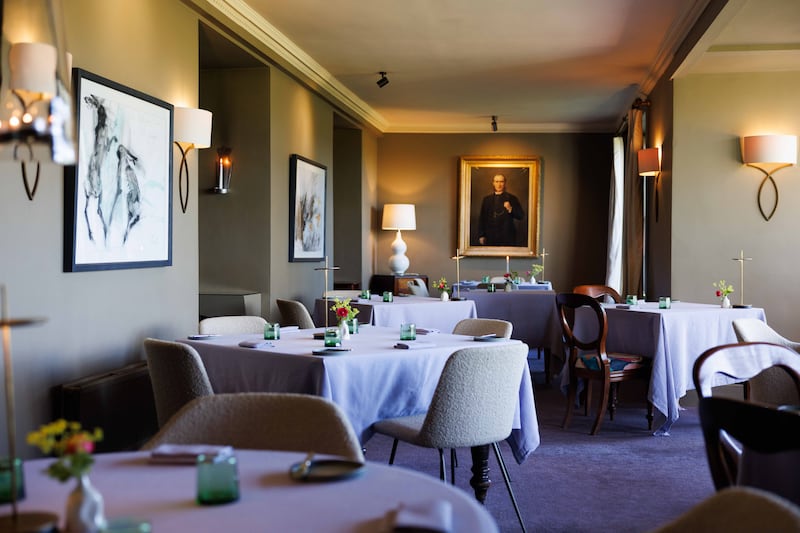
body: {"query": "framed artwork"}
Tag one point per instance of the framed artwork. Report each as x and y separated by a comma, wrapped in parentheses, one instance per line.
(118, 196)
(499, 206)
(307, 189)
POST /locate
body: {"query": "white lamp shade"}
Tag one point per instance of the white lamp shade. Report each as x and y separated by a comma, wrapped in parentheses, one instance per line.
(33, 68)
(399, 217)
(773, 149)
(192, 126)
(649, 162)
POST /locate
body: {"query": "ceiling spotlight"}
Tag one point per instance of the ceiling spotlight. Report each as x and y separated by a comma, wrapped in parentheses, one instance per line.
(494, 122)
(384, 81)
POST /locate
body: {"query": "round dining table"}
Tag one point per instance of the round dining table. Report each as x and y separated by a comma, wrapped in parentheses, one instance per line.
(270, 500)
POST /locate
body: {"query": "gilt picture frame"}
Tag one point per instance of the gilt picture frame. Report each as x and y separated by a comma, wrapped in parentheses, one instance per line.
(118, 195)
(501, 220)
(307, 209)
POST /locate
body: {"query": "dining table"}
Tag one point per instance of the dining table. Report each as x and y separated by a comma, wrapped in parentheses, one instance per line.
(672, 338)
(424, 312)
(532, 313)
(374, 380)
(374, 497)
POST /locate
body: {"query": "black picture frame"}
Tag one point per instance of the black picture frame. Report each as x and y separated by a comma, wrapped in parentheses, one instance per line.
(307, 209)
(118, 195)
(522, 181)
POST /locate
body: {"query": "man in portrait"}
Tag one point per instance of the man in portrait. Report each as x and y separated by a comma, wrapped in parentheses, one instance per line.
(499, 211)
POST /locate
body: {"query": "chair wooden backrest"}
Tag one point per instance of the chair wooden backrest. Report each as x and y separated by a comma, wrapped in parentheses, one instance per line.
(295, 313)
(177, 374)
(484, 326)
(232, 325)
(589, 340)
(759, 428)
(476, 397)
(263, 421)
(598, 292)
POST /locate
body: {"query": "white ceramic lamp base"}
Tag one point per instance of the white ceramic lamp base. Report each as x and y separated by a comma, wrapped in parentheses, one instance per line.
(398, 262)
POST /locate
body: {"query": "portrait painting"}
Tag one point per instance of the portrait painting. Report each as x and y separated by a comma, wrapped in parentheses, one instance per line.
(498, 206)
(118, 195)
(307, 185)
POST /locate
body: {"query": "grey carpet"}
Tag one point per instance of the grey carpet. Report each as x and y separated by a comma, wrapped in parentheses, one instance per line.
(623, 479)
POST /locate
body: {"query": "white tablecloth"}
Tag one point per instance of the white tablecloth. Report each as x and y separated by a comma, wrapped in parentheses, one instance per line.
(164, 495)
(673, 338)
(429, 313)
(372, 382)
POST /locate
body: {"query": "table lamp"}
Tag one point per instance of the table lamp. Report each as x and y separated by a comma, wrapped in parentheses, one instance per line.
(399, 217)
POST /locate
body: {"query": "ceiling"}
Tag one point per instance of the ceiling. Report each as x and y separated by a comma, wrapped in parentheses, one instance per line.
(537, 65)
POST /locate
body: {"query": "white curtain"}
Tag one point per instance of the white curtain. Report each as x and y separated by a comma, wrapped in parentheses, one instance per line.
(616, 201)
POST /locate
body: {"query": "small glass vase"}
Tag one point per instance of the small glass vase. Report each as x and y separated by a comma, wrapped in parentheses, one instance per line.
(84, 508)
(344, 331)
(726, 303)
(444, 296)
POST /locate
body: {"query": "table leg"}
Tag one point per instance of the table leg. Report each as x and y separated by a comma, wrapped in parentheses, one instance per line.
(479, 481)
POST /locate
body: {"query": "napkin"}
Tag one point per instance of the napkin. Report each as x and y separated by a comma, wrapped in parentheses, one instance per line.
(186, 453)
(427, 331)
(255, 344)
(431, 516)
(414, 345)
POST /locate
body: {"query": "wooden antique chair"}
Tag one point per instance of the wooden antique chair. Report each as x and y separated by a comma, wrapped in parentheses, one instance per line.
(598, 292)
(587, 358)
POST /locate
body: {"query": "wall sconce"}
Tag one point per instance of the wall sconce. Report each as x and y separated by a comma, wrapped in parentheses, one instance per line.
(191, 129)
(762, 151)
(399, 217)
(650, 165)
(36, 119)
(224, 170)
(494, 122)
(383, 81)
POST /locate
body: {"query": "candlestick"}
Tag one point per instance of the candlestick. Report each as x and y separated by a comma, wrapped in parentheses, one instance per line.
(741, 259)
(458, 258)
(543, 254)
(508, 268)
(325, 269)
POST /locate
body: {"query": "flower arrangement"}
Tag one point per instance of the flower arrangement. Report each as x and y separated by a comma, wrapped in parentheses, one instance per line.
(723, 289)
(442, 285)
(511, 277)
(535, 270)
(343, 309)
(71, 444)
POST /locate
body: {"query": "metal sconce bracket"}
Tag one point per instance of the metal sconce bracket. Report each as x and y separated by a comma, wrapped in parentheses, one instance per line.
(768, 178)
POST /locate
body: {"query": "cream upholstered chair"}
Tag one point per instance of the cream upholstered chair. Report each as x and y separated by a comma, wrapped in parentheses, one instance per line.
(342, 293)
(295, 313)
(263, 421)
(473, 405)
(417, 287)
(177, 374)
(484, 326)
(232, 325)
(772, 386)
(738, 509)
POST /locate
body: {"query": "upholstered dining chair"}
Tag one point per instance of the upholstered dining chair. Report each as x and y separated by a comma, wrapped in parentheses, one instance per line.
(587, 358)
(598, 292)
(263, 421)
(770, 439)
(484, 326)
(295, 313)
(177, 374)
(232, 325)
(473, 405)
(772, 386)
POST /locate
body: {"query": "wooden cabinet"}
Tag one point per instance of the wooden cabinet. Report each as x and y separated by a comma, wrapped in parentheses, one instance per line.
(397, 284)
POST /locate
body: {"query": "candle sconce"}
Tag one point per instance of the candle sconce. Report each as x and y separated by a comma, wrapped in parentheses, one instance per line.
(224, 170)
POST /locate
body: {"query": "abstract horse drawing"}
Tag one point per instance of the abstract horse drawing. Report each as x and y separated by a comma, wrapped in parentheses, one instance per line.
(93, 186)
(127, 165)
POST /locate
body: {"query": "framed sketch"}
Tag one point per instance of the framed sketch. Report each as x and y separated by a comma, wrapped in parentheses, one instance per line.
(499, 206)
(307, 188)
(118, 196)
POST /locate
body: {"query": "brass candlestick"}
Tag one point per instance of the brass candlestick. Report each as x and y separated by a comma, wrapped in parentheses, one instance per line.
(543, 255)
(326, 269)
(741, 259)
(458, 257)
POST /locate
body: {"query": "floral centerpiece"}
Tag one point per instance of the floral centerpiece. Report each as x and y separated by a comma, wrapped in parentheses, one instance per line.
(534, 271)
(73, 446)
(511, 277)
(723, 290)
(344, 312)
(443, 287)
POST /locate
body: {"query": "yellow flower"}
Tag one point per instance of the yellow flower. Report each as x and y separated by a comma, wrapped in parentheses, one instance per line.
(70, 443)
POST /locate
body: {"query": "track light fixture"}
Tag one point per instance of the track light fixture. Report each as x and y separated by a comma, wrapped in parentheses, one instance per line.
(494, 122)
(384, 81)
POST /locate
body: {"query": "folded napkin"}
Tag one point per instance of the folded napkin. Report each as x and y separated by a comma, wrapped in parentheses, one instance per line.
(255, 344)
(414, 345)
(431, 516)
(427, 331)
(186, 453)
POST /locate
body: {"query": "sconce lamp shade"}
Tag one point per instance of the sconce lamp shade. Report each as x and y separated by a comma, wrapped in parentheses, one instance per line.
(192, 126)
(649, 162)
(770, 149)
(33, 68)
(399, 217)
